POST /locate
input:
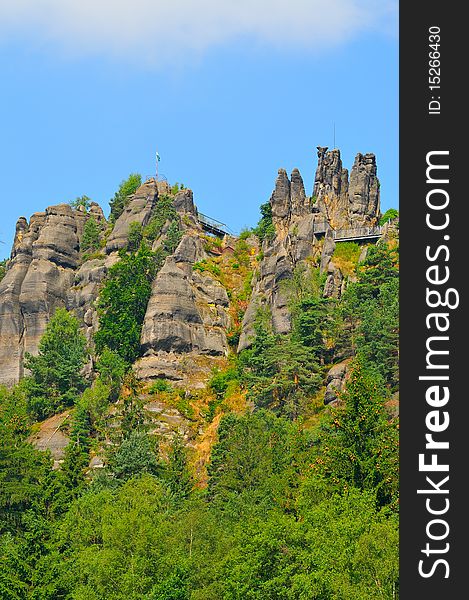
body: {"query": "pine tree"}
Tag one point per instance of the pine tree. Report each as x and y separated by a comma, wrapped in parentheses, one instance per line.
(91, 233)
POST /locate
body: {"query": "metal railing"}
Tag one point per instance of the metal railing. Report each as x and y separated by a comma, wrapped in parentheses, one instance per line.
(358, 232)
(348, 234)
(212, 225)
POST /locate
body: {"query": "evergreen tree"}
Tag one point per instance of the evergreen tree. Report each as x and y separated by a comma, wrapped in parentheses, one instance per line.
(281, 371)
(123, 302)
(359, 445)
(91, 233)
(56, 379)
(265, 229)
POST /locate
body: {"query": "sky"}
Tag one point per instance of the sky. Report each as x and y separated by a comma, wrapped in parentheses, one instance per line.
(226, 91)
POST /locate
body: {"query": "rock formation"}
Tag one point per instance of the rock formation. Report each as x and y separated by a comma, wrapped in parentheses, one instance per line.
(186, 317)
(188, 314)
(305, 230)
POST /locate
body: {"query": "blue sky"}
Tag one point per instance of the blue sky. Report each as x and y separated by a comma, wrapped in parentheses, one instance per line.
(227, 96)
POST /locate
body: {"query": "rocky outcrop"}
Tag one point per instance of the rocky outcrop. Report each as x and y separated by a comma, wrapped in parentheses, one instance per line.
(364, 191)
(40, 273)
(138, 210)
(304, 231)
(331, 188)
(184, 330)
(335, 381)
(347, 203)
(186, 318)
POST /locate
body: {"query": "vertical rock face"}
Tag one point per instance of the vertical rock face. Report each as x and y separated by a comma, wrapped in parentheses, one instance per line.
(331, 188)
(347, 203)
(184, 330)
(40, 273)
(186, 318)
(364, 191)
(187, 313)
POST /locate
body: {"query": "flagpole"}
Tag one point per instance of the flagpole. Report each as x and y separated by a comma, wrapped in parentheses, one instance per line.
(157, 157)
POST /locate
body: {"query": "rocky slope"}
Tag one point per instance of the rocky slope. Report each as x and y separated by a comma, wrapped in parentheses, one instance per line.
(189, 313)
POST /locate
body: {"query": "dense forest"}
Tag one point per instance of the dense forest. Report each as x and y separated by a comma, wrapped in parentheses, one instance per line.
(285, 497)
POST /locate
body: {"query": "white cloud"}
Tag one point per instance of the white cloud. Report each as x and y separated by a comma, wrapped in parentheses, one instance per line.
(163, 31)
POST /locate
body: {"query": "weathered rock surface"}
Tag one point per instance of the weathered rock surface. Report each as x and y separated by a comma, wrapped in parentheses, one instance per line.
(51, 437)
(46, 271)
(331, 188)
(137, 211)
(39, 275)
(364, 191)
(335, 381)
(187, 315)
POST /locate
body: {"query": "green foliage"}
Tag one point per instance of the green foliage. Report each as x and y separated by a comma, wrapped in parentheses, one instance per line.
(323, 555)
(94, 402)
(369, 314)
(389, 215)
(346, 256)
(298, 505)
(241, 252)
(245, 233)
(134, 457)
(173, 237)
(221, 380)
(176, 473)
(252, 463)
(281, 371)
(90, 241)
(3, 268)
(55, 380)
(22, 472)
(265, 229)
(112, 369)
(207, 265)
(160, 385)
(81, 201)
(123, 302)
(177, 187)
(122, 197)
(164, 212)
(134, 236)
(359, 444)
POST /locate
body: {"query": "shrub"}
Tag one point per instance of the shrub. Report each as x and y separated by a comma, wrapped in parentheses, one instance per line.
(389, 215)
(134, 236)
(3, 268)
(205, 265)
(121, 198)
(245, 233)
(346, 256)
(160, 385)
(265, 229)
(81, 201)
